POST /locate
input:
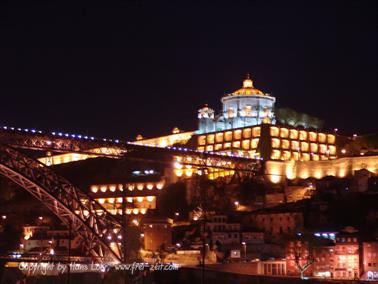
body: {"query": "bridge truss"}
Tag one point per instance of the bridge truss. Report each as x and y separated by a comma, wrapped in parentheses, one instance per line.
(98, 229)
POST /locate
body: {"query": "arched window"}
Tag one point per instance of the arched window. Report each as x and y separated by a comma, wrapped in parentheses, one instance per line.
(248, 110)
(230, 112)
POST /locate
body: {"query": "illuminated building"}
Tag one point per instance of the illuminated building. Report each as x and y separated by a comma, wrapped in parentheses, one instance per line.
(244, 107)
(40, 239)
(246, 127)
(176, 137)
(222, 230)
(370, 260)
(347, 259)
(139, 197)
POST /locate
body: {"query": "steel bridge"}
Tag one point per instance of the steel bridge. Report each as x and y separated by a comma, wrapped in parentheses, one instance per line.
(98, 229)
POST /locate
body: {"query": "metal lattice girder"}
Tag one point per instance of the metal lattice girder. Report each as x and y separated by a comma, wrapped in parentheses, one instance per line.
(118, 149)
(60, 144)
(98, 229)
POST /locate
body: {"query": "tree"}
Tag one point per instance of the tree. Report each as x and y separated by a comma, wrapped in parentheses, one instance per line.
(291, 117)
(301, 252)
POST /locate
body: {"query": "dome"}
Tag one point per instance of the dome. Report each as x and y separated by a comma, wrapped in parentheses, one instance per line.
(247, 89)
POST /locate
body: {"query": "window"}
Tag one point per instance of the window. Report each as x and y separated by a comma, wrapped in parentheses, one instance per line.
(285, 155)
(202, 140)
(230, 112)
(293, 134)
(236, 144)
(304, 146)
(210, 139)
(247, 133)
(254, 143)
(312, 136)
(209, 148)
(226, 145)
(295, 145)
(228, 136)
(237, 134)
(218, 147)
(256, 131)
(219, 137)
(284, 133)
(322, 137)
(275, 142)
(302, 135)
(245, 144)
(248, 110)
(274, 131)
(331, 139)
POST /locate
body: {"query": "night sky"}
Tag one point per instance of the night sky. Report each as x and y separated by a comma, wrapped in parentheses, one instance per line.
(120, 68)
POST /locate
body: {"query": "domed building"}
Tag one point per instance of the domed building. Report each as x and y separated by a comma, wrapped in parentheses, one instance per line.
(244, 107)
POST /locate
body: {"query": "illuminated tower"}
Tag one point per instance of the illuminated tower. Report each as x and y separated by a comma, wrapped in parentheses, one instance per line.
(247, 106)
(244, 107)
(206, 121)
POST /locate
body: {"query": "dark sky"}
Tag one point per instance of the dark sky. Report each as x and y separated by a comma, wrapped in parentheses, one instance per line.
(119, 68)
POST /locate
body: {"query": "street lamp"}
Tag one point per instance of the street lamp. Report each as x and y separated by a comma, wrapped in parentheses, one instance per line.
(245, 251)
(236, 203)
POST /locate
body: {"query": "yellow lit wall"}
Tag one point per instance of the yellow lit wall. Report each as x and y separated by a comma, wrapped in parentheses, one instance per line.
(240, 141)
(277, 171)
(108, 195)
(185, 167)
(167, 140)
(301, 145)
(74, 157)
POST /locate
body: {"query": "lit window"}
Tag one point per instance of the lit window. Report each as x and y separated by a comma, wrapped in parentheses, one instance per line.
(209, 148)
(210, 139)
(332, 150)
(312, 136)
(285, 144)
(245, 144)
(295, 156)
(236, 144)
(202, 140)
(295, 145)
(314, 147)
(275, 142)
(226, 145)
(256, 131)
(230, 112)
(228, 136)
(274, 131)
(286, 155)
(219, 137)
(306, 157)
(237, 134)
(284, 133)
(322, 137)
(302, 135)
(254, 143)
(218, 147)
(276, 154)
(293, 134)
(304, 146)
(322, 148)
(331, 139)
(248, 110)
(247, 133)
